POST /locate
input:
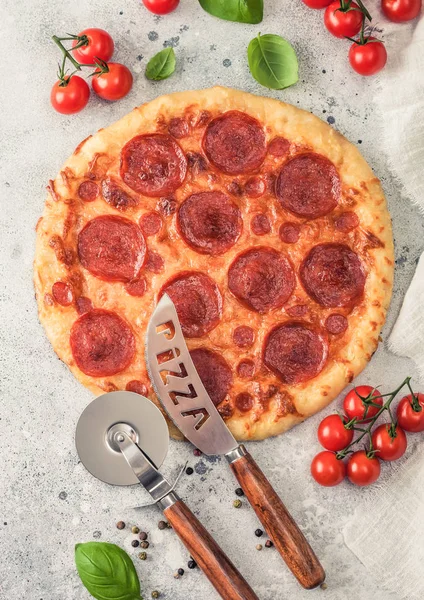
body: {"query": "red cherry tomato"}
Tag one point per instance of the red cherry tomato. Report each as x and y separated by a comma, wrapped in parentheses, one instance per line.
(388, 448)
(161, 7)
(100, 45)
(317, 4)
(362, 470)
(332, 433)
(70, 98)
(369, 58)
(343, 23)
(327, 470)
(408, 417)
(400, 11)
(354, 407)
(113, 84)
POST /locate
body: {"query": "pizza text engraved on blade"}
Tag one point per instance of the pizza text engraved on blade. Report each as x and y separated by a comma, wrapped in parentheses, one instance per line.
(213, 436)
(171, 370)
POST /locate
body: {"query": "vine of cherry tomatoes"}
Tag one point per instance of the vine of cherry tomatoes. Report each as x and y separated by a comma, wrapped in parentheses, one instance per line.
(90, 48)
(362, 407)
(348, 18)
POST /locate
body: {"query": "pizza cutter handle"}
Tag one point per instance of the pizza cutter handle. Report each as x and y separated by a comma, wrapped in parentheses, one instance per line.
(277, 521)
(217, 567)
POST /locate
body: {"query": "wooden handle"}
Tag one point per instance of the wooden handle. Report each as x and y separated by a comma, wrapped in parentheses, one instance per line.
(208, 555)
(278, 523)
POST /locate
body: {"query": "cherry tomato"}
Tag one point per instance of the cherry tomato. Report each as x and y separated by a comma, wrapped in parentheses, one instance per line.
(70, 98)
(408, 417)
(362, 470)
(353, 405)
(369, 58)
(343, 23)
(327, 470)
(100, 45)
(115, 83)
(332, 433)
(161, 7)
(388, 448)
(317, 3)
(400, 11)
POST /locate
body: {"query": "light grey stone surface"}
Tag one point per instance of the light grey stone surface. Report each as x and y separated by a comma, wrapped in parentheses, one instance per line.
(48, 502)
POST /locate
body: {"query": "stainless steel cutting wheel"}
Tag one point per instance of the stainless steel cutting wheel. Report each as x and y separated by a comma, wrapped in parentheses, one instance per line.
(101, 422)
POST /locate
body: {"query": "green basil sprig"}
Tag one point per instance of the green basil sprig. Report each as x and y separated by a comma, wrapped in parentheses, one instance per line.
(242, 11)
(272, 61)
(107, 571)
(161, 65)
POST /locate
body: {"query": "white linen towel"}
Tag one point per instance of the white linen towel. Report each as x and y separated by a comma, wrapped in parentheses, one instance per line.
(387, 530)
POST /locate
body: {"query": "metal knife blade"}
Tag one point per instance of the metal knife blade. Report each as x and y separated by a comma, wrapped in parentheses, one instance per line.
(178, 385)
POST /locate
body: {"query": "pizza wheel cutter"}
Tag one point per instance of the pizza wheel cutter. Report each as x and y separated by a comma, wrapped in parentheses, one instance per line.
(185, 399)
(122, 439)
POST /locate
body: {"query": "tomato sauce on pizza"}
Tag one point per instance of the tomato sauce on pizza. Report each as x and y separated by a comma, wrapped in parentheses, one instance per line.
(267, 229)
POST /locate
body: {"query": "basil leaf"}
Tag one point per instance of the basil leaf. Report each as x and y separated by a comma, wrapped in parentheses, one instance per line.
(243, 11)
(107, 571)
(272, 61)
(161, 65)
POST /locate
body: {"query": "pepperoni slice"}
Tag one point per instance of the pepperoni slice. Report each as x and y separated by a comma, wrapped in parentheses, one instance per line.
(235, 143)
(137, 287)
(332, 275)
(88, 191)
(150, 223)
(112, 248)
(289, 233)
(308, 186)
(153, 164)
(347, 221)
(260, 224)
(137, 386)
(243, 336)
(214, 372)
(209, 222)
(83, 305)
(116, 196)
(298, 310)
(278, 147)
(295, 352)
(102, 343)
(246, 368)
(336, 324)
(198, 302)
(63, 293)
(262, 279)
(244, 402)
(178, 127)
(255, 187)
(154, 262)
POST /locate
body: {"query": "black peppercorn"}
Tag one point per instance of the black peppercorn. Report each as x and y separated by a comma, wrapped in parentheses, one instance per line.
(259, 532)
(142, 535)
(239, 492)
(180, 572)
(268, 544)
(120, 525)
(135, 543)
(191, 564)
(189, 471)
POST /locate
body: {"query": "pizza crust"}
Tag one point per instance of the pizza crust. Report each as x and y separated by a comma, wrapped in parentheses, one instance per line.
(65, 215)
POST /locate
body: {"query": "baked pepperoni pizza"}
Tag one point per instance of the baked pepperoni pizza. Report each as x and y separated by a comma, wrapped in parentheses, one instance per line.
(264, 225)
